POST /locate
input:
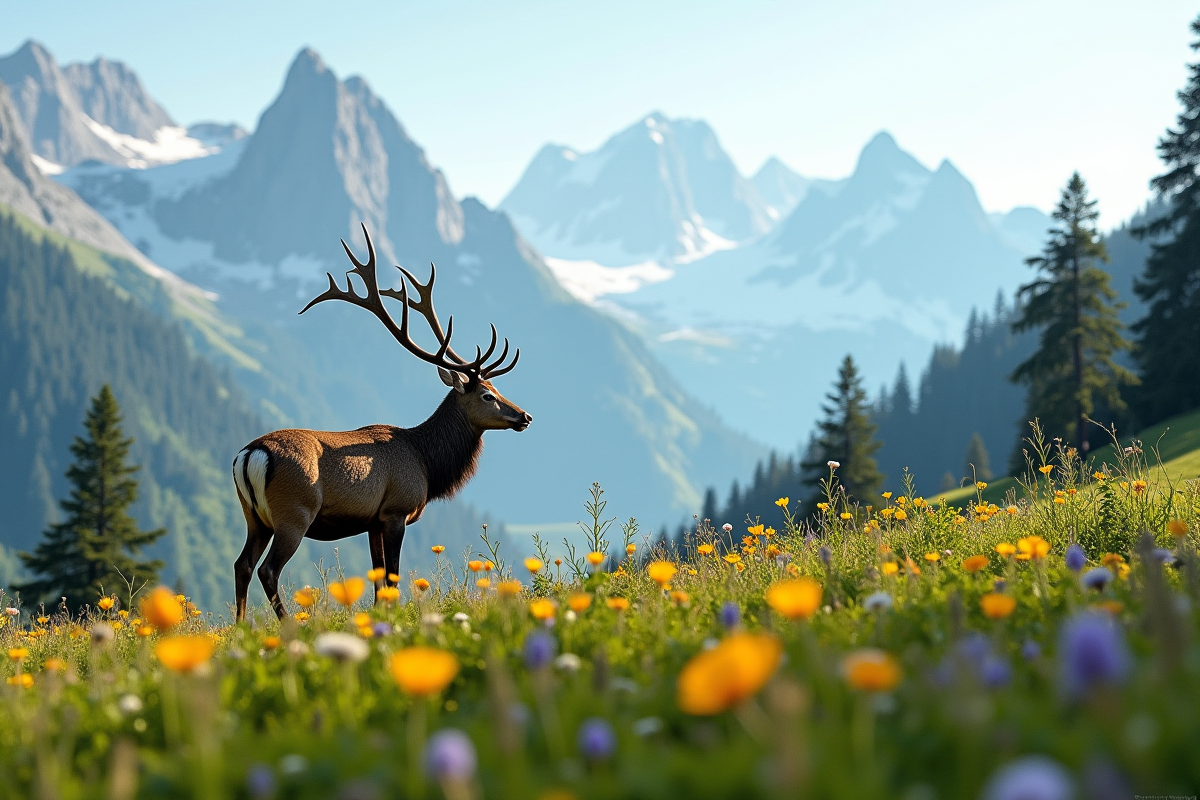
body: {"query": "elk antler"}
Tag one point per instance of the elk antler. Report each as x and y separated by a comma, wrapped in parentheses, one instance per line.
(445, 357)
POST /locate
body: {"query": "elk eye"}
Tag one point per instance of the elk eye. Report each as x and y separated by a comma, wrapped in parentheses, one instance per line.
(488, 397)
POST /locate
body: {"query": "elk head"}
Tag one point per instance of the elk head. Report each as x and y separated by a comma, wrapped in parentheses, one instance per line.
(483, 406)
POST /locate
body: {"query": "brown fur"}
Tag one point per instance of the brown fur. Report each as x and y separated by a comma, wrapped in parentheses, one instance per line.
(330, 485)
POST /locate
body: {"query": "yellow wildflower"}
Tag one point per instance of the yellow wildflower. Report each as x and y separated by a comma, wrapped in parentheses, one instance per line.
(106, 603)
(305, 597)
(161, 609)
(423, 671)
(595, 558)
(728, 674)
(543, 608)
(184, 653)
(387, 594)
(795, 599)
(661, 572)
(534, 565)
(975, 563)
(871, 670)
(782, 502)
(579, 602)
(438, 549)
(348, 591)
(996, 605)
(508, 588)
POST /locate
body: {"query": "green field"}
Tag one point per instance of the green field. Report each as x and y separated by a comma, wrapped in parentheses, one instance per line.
(915, 652)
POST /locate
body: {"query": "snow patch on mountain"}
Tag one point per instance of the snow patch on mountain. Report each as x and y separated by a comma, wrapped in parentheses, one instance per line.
(587, 281)
(170, 144)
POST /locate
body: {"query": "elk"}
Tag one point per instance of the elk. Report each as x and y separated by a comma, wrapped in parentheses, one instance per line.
(327, 486)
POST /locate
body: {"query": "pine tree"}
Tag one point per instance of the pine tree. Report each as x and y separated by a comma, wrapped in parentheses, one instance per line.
(93, 550)
(846, 435)
(1073, 306)
(1168, 345)
(976, 459)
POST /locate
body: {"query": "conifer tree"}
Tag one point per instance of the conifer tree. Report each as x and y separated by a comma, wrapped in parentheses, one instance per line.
(976, 460)
(1168, 345)
(94, 548)
(1073, 306)
(846, 435)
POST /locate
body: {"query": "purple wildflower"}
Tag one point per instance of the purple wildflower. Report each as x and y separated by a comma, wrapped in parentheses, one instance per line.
(539, 650)
(596, 739)
(260, 781)
(731, 615)
(995, 672)
(1075, 557)
(1091, 652)
(450, 755)
(1031, 650)
(1029, 778)
(381, 629)
(826, 556)
(1096, 578)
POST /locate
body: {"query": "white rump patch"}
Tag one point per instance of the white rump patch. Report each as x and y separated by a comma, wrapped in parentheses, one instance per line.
(253, 463)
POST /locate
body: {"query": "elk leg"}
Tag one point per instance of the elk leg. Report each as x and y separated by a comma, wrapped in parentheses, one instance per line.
(375, 540)
(258, 536)
(393, 535)
(287, 541)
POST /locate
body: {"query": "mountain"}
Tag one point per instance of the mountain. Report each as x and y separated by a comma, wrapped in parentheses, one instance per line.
(98, 111)
(660, 190)
(259, 227)
(883, 264)
(782, 188)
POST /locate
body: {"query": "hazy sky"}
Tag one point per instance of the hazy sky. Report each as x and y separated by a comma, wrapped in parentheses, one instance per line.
(1016, 94)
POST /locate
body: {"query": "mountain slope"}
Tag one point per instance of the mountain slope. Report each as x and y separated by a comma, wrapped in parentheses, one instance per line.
(262, 230)
(659, 190)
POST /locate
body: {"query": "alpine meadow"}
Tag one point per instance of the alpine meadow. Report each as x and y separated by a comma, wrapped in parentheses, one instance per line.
(632, 473)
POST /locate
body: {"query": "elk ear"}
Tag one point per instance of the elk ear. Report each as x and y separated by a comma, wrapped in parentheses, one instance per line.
(454, 379)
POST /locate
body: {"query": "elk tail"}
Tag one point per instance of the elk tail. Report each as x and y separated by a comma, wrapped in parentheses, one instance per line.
(250, 471)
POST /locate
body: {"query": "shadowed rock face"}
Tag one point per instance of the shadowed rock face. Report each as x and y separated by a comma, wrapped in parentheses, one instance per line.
(112, 94)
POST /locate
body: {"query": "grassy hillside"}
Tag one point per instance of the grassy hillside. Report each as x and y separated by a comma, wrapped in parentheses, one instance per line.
(1172, 446)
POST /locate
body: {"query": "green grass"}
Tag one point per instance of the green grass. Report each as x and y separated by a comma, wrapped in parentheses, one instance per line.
(971, 697)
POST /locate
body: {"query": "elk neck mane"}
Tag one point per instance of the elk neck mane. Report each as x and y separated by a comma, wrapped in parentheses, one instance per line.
(449, 445)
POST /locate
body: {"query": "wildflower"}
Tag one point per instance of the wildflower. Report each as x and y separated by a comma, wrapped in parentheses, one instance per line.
(301, 616)
(732, 558)
(975, 563)
(539, 650)
(508, 588)
(833, 464)
(387, 594)
(579, 602)
(1012, 511)
(393, 577)
(1005, 549)
(18, 653)
(568, 662)
(878, 601)
(795, 599)
(12, 612)
(901, 500)
(438, 549)
(596, 740)
(845, 515)
(483, 583)
(270, 642)
(42, 620)
(680, 598)
(871, 670)
(420, 584)
(630, 548)
(980, 485)
(543, 608)
(1177, 528)
(102, 633)
(106, 603)
(184, 653)
(376, 575)
(1092, 652)
(1030, 778)
(1034, 547)
(727, 527)
(342, 647)
(889, 567)
(901, 515)
(705, 549)
(1139, 486)
(116, 626)
(661, 572)
(423, 671)
(488, 566)
(595, 558)
(306, 597)
(996, 605)
(161, 609)
(24, 680)
(534, 565)
(733, 671)
(474, 565)
(618, 604)
(1045, 469)
(1096, 578)
(823, 506)
(348, 591)
(450, 757)
(1075, 557)
(887, 513)
(1099, 476)
(826, 555)
(911, 567)
(782, 502)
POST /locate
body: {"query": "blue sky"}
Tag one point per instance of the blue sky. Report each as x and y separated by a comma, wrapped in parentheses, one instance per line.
(1016, 94)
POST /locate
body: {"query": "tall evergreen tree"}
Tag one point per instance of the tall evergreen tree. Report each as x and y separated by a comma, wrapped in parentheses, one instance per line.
(94, 549)
(1168, 346)
(1073, 306)
(976, 461)
(846, 435)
